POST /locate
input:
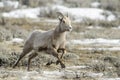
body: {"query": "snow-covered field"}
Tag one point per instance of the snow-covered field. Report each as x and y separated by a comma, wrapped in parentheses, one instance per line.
(23, 13)
(99, 41)
(77, 14)
(7, 3)
(97, 44)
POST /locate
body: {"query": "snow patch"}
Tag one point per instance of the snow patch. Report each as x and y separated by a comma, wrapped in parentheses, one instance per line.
(80, 13)
(23, 13)
(94, 27)
(1, 4)
(111, 17)
(53, 74)
(77, 14)
(104, 49)
(17, 40)
(95, 4)
(110, 79)
(90, 27)
(116, 27)
(76, 67)
(97, 41)
(50, 20)
(95, 74)
(7, 3)
(90, 13)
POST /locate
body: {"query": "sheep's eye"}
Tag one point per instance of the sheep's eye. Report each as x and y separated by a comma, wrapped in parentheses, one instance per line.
(63, 21)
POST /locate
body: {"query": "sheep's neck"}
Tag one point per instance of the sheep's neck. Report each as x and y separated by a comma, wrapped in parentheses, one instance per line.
(59, 33)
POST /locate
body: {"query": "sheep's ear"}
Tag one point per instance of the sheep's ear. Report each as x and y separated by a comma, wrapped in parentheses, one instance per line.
(60, 18)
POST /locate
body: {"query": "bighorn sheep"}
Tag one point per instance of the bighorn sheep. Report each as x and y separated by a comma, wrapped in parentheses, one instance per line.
(50, 41)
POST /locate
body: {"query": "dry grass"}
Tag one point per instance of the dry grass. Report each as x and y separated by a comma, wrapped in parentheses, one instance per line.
(28, 23)
(88, 22)
(111, 5)
(75, 56)
(96, 60)
(81, 57)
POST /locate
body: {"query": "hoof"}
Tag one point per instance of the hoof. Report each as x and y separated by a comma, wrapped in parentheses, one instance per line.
(49, 63)
(29, 70)
(13, 66)
(57, 62)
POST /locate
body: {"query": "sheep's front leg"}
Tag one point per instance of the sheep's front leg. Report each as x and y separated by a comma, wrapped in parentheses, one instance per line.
(55, 54)
(63, 52)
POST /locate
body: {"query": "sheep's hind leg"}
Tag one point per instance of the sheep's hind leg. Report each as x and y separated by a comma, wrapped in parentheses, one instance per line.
(25, 51)
(31, 56)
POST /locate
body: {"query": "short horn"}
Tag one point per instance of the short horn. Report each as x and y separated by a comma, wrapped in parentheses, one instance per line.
(60, 14)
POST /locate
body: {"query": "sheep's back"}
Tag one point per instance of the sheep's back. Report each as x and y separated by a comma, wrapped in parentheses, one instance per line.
(42, 39)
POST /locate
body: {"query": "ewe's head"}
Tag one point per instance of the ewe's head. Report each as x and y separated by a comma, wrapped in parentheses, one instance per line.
(65, 23)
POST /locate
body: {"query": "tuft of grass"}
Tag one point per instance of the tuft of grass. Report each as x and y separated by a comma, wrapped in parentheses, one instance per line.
(89, 22)
(28, 23)
(112, 5)
(115, 62)
(99, 66)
